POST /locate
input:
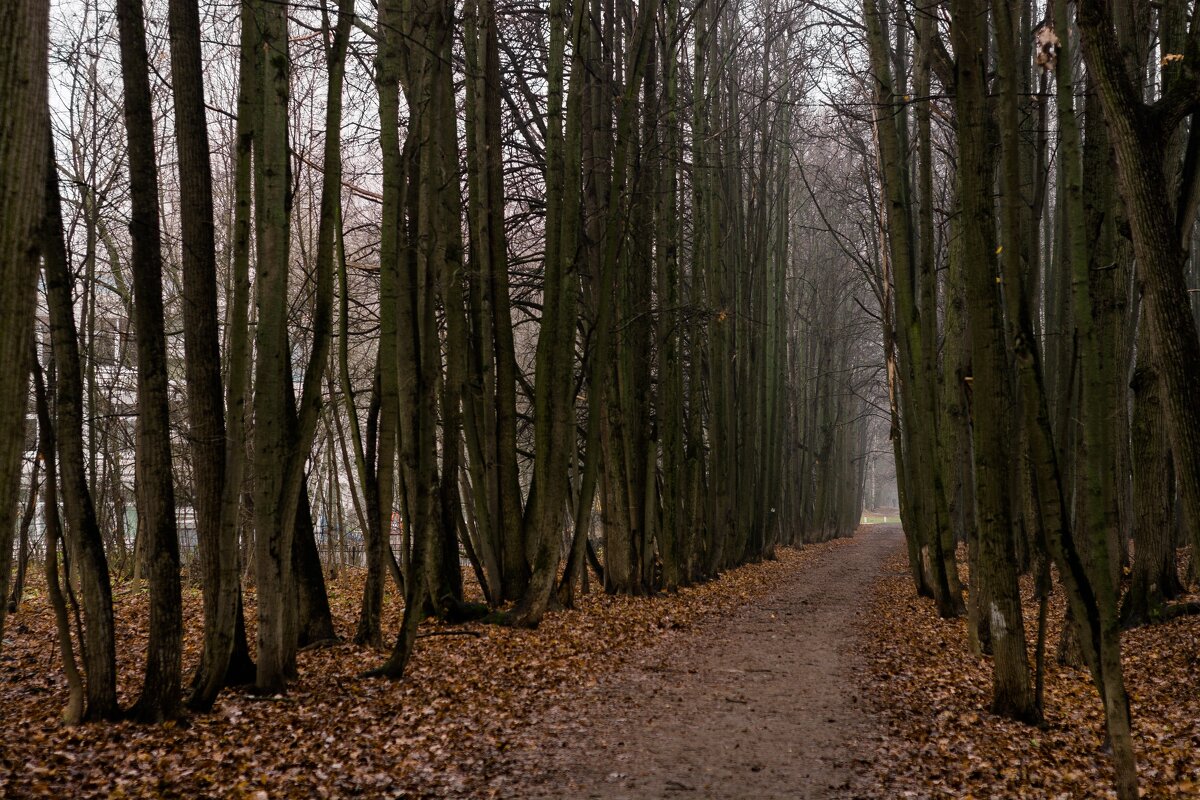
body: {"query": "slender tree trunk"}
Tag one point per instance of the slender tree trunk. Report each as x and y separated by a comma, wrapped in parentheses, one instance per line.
(160, 699)
(18, 587)
(206, 412)
(241, 669)
(1012, 692)
(272, 448)
(918, 383)
(73, 713)
(84, 540)
(24, 44)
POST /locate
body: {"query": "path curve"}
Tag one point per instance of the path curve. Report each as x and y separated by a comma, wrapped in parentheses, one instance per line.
(763, 703)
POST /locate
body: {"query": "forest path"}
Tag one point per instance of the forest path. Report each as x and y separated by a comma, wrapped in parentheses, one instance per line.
(763, 703)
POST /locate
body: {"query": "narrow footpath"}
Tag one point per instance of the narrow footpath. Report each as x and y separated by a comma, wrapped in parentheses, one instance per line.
(763, 703)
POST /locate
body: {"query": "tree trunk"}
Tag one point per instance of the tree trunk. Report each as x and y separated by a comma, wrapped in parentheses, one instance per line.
(83, 533)
(272, 425)
(1154, 577)
(216, 536)
(18, 587)
(1012, 692)
(160, 699)
(23, 158)
(1140, 135)
(73, 713)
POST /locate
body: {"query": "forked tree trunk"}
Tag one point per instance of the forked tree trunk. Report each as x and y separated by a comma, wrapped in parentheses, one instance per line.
(82, 531)
(73, 713)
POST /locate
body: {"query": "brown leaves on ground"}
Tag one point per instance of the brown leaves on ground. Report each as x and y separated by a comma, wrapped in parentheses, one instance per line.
(452, 727)
(944, 743)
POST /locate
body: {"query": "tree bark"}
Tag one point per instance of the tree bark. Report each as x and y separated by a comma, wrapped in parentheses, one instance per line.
(73, 713)
(24, 45)
(1012, 692)
(216, 535)
(272, 447)
(160, 699)
(83, 532)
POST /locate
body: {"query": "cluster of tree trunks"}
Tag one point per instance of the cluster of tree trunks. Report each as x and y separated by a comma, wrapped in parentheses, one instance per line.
(697, 393)
(1066, 430)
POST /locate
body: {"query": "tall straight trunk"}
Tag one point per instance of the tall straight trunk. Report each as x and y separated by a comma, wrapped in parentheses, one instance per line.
(587, 109)
(1100, 318)
(927, 310)
(954, 439)
(272, 449)
(479, 401)
(494, 276)
(315, 622)
(241, 668)
(202, 346)
(24, 44)
(446, 274)
(160, 699)
(563, 232)
(380, 459)
(918, 382)
(670, 411)
(1012, 691)
(895, 433)
(84, 542)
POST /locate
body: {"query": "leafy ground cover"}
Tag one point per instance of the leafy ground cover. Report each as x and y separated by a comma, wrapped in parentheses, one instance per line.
(454, 727)
(943, 742)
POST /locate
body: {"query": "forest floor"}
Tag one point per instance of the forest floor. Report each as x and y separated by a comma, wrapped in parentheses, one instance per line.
(817, 675)
(481, 715)
(763, 702)
(941, 741)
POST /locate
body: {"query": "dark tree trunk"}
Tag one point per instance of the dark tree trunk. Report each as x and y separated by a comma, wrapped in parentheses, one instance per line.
(1012, 692)
(160, 698)
(73, 713)
(315, 621)
(379, 520)
(18, 587)
(216, 528)
(1155, 578)
(273, 425)
(24, 39)
(83, 532)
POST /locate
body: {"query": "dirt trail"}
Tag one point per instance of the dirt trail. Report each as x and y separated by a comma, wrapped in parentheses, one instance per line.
(760, 704)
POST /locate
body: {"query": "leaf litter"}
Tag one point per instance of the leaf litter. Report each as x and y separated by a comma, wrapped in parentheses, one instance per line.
(943, 742)
(457, 725)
